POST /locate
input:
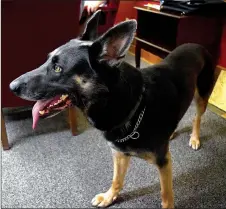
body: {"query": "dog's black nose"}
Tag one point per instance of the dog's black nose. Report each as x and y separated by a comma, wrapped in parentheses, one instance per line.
(15, 87)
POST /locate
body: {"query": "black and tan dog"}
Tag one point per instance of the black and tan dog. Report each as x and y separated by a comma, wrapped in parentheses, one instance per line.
(137, 110)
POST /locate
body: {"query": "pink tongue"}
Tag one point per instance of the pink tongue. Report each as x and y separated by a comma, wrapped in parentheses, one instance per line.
(39, 105)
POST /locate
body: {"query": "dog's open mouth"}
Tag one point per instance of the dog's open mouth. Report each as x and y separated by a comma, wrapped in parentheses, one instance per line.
(49, 107)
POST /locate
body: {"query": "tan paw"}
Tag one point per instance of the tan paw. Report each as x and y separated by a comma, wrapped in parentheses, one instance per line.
(103, 199)
(167, 205)
(194, 143)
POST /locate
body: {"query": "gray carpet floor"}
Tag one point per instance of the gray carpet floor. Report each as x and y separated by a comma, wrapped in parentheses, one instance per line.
(48, 168)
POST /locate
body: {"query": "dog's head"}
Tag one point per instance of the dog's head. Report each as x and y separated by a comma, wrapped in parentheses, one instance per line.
(75, 73)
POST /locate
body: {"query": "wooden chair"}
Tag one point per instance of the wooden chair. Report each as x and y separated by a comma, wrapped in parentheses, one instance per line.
(4, 138)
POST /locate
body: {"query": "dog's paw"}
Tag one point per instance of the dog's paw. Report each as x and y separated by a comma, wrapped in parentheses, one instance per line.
(103, 199)
(167, 206)
(194, 143)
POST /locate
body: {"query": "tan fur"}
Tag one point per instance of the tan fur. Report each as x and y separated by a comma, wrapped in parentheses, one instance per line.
(121, 162)
(85, 85)
(149, 157)
(201, 104)
(78, 79)
(166, 182)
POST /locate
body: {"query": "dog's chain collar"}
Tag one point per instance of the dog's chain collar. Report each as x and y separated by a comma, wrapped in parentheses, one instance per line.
(132, 112)
(135, 134)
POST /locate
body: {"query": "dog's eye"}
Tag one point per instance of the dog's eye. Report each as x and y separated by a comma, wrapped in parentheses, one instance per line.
(57, 69)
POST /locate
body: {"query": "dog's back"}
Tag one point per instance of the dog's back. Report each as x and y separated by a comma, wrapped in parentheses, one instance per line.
(190, 61)
(188, 68)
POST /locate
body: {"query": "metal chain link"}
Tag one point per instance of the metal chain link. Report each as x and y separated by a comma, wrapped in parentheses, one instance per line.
(135, 134)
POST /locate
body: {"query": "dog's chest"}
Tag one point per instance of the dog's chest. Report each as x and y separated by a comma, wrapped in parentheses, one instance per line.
(140, 153)
(123, 148)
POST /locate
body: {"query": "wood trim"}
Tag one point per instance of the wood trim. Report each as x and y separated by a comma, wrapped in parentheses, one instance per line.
(73, 120)
(153, 59)
(146, 56)
(159, 12)
(221, 67)
(153, 45)
(216, 110)
(4, 138)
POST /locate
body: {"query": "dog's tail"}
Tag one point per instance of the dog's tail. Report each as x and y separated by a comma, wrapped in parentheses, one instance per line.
(205, 81)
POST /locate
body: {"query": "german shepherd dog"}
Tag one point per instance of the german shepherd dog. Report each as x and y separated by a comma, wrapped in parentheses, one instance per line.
(136, 110)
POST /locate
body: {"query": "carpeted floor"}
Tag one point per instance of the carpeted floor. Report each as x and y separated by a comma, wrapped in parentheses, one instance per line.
(48, 168)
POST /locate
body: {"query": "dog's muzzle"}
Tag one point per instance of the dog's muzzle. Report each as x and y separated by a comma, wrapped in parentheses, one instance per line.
(16, 87)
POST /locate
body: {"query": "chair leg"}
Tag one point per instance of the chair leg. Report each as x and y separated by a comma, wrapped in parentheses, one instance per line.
(5, 143)
(73, 120)
(137, 55)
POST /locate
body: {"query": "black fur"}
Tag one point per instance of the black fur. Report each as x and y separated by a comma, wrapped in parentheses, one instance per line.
(117, 86)
(169, 90)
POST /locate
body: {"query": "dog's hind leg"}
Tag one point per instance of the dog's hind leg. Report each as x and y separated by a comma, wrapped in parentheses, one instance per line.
(201, 104)
(121, 162)
(205, 84)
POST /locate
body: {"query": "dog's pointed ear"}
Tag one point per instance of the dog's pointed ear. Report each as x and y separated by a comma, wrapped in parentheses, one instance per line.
(90, 31)
(114, 44)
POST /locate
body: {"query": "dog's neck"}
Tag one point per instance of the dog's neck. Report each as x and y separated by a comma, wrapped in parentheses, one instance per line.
(122, 99)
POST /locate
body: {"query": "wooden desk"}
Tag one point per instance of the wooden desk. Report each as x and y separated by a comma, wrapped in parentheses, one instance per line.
(161, 32)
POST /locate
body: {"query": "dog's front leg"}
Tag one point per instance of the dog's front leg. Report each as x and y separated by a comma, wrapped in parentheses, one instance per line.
(121, 162)
(165, 174)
